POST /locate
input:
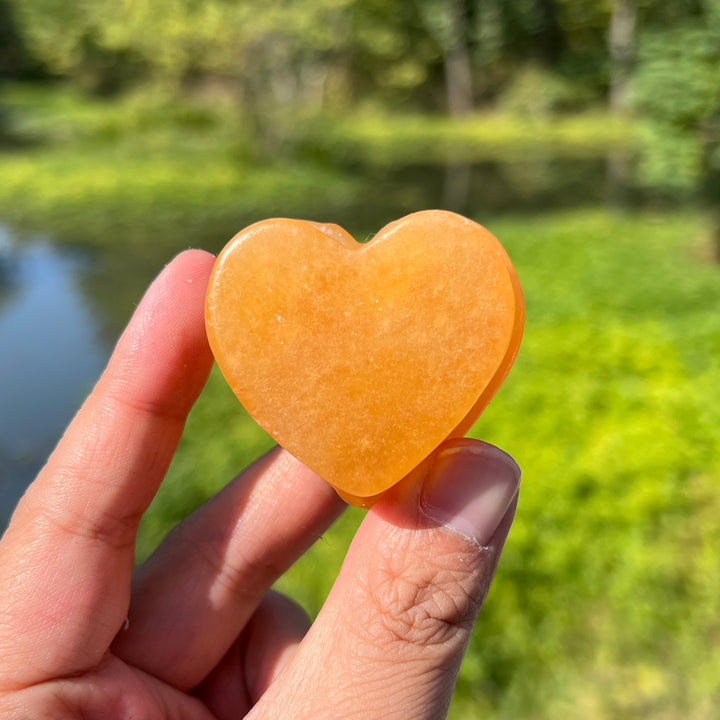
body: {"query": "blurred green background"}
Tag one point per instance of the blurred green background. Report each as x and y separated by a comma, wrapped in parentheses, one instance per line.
(585, 134)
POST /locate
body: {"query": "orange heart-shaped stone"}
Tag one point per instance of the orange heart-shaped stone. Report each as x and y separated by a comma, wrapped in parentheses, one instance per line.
(360, 359)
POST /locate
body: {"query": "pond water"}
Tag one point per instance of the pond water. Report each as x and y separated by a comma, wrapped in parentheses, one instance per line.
(62, 306)
(50, 353)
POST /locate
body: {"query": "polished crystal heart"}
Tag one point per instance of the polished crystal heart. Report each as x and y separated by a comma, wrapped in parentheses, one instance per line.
(360, 359)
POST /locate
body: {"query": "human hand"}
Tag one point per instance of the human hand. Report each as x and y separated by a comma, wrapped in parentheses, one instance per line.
(197, 632)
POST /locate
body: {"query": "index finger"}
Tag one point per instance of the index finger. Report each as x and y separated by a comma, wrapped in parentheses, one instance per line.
(67, 557)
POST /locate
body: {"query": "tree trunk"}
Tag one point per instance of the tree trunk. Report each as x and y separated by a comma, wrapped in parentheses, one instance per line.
(458, 67)
(710, 185)
(456, 188)
(621, 40)
(549, 39)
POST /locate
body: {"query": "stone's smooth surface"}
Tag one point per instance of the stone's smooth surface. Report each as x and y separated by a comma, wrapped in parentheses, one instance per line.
(360, 359)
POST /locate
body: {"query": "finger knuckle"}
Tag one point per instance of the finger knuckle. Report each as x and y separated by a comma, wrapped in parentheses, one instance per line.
(242, 574)
(117, 531)
(423, 600)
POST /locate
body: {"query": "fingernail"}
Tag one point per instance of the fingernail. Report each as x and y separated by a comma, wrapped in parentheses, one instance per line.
(469, 489)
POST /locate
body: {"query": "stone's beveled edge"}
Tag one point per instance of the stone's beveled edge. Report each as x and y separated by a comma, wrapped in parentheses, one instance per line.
(336, 232)
(509, 358)
(385, 234)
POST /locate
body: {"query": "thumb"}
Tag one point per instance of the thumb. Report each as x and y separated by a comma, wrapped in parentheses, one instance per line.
(389, 640)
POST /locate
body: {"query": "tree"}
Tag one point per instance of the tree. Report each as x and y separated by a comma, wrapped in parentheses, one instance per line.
(677, 87)
(621, 40)
(448, 23)
(14, 57)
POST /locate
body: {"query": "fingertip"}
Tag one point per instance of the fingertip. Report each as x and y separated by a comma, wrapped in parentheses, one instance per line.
(187, 274)
(163, 357)
(193, 260)
(469, 487)
(466, 485)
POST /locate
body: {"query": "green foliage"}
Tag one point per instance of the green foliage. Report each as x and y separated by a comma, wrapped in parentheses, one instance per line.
(276, 60)
(138, 160)
(52, 29)
(282, 54)
(386, 139)
(537, 92)
(677, 87)
(606, 601)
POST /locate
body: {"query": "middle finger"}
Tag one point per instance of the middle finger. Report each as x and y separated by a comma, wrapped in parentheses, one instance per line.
(194, 595)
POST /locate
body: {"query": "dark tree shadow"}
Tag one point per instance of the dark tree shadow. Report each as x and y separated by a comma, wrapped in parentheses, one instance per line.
(16, 63)
(710, 187)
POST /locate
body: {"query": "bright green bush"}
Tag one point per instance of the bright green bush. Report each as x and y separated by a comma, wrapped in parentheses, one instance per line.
(605, 601)
(537, 92)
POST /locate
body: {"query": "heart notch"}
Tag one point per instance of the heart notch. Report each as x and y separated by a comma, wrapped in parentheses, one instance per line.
(361, 358)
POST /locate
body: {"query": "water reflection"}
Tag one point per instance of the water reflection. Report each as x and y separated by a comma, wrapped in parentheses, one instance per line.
(479, 190)
(50, 354)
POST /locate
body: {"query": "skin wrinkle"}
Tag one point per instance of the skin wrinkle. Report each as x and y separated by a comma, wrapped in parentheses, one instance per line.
(156, 409)
(391, 694)
(97, 450)
(368, 688)
(422, 694)
(58, 604)
(140, 415)
(240, 579)
(99, 518)
(416, 600)
(100, 694)
(116, 532)
(110, 448)
(423, 682)
(90, 447)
